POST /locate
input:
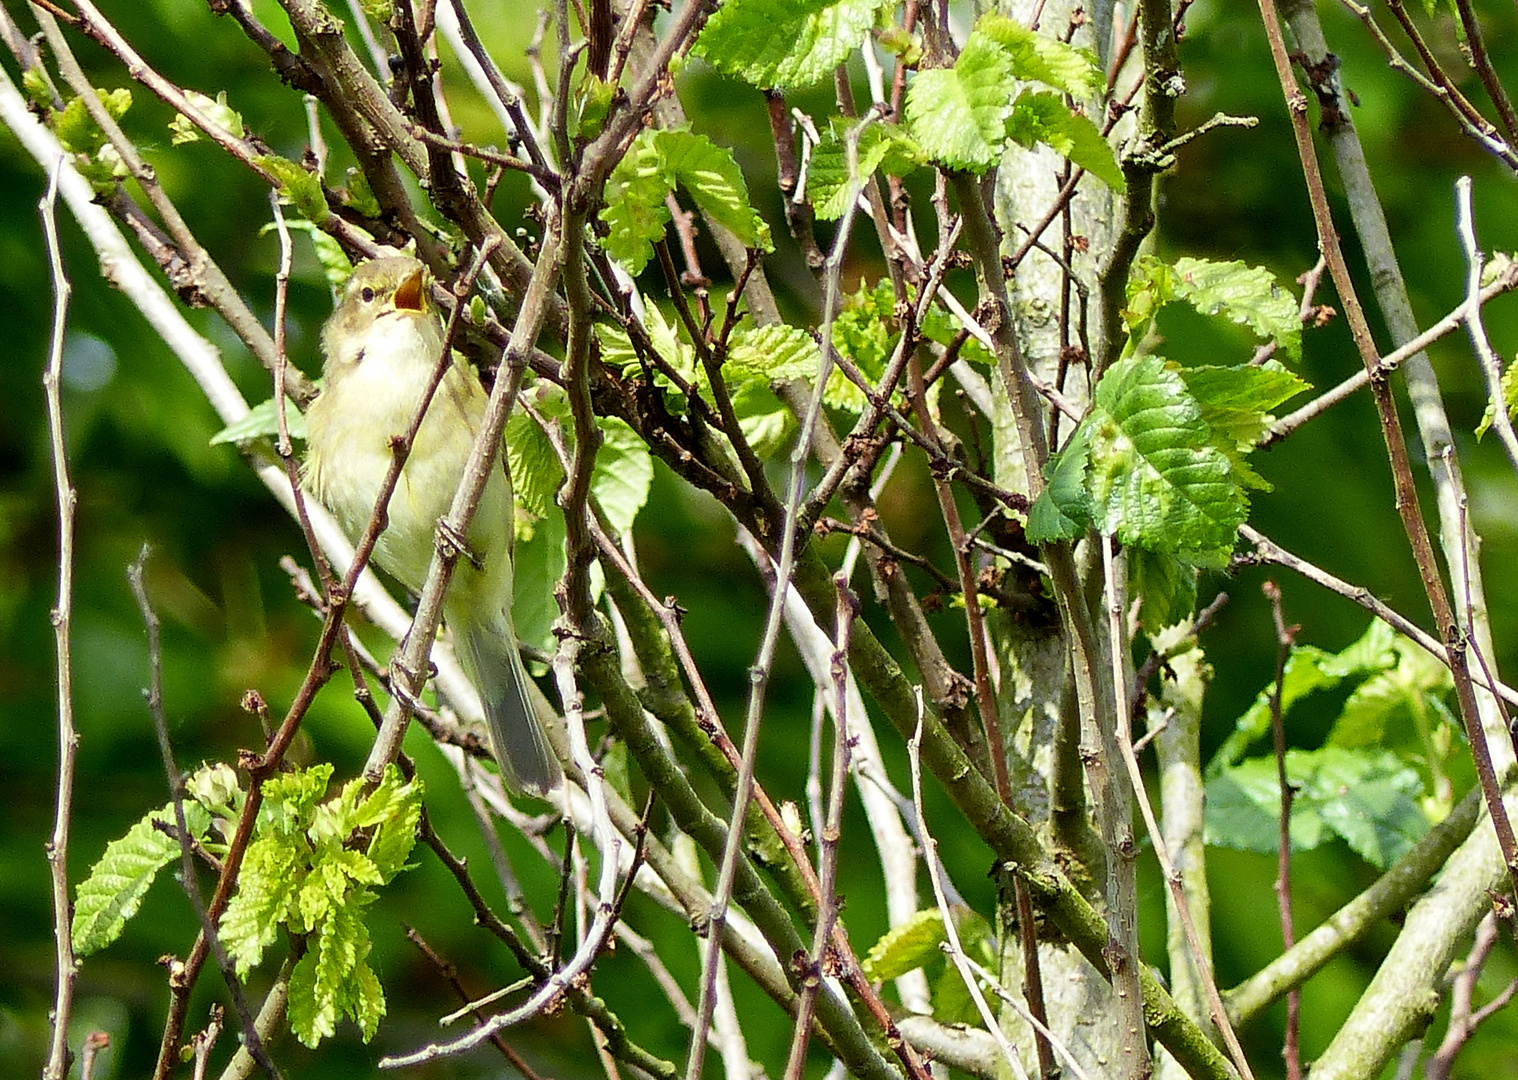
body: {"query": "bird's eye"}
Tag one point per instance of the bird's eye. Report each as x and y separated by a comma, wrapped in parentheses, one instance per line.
(367, 294)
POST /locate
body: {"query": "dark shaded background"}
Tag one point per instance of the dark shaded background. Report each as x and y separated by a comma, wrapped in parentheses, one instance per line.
(138, 432)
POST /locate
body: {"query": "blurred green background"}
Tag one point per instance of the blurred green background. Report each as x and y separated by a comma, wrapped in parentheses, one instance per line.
(138, 432)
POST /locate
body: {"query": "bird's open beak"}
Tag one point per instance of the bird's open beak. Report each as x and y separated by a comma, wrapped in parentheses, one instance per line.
(409, 294)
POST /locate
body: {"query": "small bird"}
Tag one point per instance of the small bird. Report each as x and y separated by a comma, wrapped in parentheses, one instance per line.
(381, 346)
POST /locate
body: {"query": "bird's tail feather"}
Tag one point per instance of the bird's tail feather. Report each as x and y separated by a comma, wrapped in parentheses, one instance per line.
(489, 655)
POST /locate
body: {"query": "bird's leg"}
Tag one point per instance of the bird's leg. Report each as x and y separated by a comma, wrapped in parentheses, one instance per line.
(454, 546)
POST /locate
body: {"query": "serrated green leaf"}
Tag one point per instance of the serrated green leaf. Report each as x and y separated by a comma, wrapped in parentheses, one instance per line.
(774, 353)
(712, 177)
(1396, 701)
(535, 471)
(882, 146)
(784, 44)
(623, 474)
(1308, 669)
(1154, 479)
(366, 1001)
(1243, 811)
(1038, 58)
(273, 870)
(959, 115)
(1509, 385)
(1237, 401)
(1063, 511)
(116, 884)
(262, 422)
(1166, 585)
(396, 835)
(1247, 295)
(1045, 118)
(905, 947)
(1367, 799)
(635, 212)
(290, 798)
(301, 189)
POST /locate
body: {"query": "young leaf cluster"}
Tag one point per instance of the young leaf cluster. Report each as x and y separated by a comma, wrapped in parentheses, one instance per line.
(97, 160)
(313, 867)
(965, 116)
(636, 212)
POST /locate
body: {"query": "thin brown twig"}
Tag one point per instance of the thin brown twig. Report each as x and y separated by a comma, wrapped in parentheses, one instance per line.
(1285, 641)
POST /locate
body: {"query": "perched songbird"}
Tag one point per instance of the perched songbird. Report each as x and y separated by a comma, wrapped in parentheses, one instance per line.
(382, 345)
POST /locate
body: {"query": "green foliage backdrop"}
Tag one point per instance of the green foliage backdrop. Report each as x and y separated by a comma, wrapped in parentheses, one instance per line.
(140, 450)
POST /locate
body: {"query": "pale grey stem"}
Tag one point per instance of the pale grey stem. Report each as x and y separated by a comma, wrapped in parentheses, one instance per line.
(67, 966)
(1491, 365)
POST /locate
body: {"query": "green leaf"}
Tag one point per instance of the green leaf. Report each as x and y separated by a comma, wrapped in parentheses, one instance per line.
(635, 212)
(39, 92)
(1038, 58)
(301, 189)
(290, 798)
(535, 470)
(1243, 810)
(262, 422)
(116, 884)
(623, 474)
(784, 44)
(905, 947)
(714, 181)
(1045, 118)
(1154, 479)
(540, 560)
(1167, 586)
(1509, 399)
(1063, 511)
(959, 115)
(76, 128)
(881, 146)
(1367, 799)
(1398, 701)
(214, 109)
(774, 353)
(1308, 669)
(360, 195)
(592, 102)
(273, 870)
(1237, 401)
(1247, 295)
